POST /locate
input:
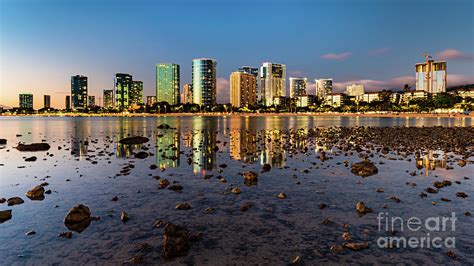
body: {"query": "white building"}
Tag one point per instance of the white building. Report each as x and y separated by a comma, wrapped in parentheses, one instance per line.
(323, 87)
(302, 101)
(297, 87)
(272, 82)
(370, 97)
(355, 90)
(335, 99)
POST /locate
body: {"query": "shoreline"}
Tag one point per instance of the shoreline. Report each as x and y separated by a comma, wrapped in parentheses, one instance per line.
(385, 115)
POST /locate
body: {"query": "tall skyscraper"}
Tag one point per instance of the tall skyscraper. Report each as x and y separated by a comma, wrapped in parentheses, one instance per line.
(431, 76)
(47, 101)
(123, 84)
(68, 102)
(26, 101)
(251, 70)
(187, 93)
(323, 87)
(243, 89)
(78, 92)
(297, 87)
(167, 83)
(108, 98)
(136, 93)
(272, 82)
(91, 101)
(204, 81)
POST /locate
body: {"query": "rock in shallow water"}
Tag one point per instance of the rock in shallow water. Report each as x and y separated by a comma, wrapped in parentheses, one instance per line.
(15, 201)
(364, 168)
(176, 241)
(134, 140)
(78, 218)
(361, 208)
(36, 193)
(33, 147)
(250, 178)
(5, 215)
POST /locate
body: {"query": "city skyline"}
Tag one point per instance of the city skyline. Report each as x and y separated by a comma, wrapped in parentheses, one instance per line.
(381, 35)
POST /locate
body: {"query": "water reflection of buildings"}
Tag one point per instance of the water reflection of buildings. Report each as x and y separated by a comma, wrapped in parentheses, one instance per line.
(168, 149)
(79, 141)
(243, 145)
(128, 127)
(431, 161)
(204, 144)
(273, 151)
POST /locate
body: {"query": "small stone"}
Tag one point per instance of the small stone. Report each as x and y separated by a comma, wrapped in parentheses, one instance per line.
(31, 159)
(461, 195)
(33, 147)
(235, 190)
(452, 255)
(78, 218)
(322, 206)
(14, 201)
(141, 155)
(364, 168)
(114, 198)
(67, 234)
(462, 163)
(266, 167)
(36, 193)
(30, 233)
(124, 217)
(356, 246)
(246, 206)
(5, 215)
(282, 195)
(164, 182)
(337, 248)
(134, 140)
(346, 236)
(431, 190)
(361, 208)
(209, 210)
(296, 260)
(250, 178)
(176, 241)
(395, 199)
(176, 188)
(380, 190)
(183, 206)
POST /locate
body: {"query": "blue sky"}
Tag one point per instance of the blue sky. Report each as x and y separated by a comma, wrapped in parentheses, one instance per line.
(375, 43)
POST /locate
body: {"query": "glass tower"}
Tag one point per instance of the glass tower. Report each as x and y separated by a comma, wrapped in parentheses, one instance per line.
(204, 81)
(26, 101)
(297, 87)
(108, 98)
(78, 92)
(272, 82)
(47, 101)
(136, 93)
(123, 85)
(250, 70)
(167, 83)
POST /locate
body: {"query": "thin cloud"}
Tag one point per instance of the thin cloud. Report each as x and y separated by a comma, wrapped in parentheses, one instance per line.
(453, 54)
(379, 52)
(339, 57)
(457, 79)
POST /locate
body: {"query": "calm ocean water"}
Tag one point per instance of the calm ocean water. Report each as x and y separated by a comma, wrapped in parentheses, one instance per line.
(85, 165)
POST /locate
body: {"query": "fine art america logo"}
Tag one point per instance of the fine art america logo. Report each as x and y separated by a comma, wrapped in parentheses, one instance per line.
(428, 231)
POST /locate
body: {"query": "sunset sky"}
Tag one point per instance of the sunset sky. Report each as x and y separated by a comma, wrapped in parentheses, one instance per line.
(376, 43)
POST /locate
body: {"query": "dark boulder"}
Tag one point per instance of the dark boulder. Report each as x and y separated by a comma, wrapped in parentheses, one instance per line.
(134, 140)
(364, 168)
(33, 147)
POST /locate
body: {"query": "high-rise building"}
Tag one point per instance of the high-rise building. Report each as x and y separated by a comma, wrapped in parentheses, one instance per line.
(355, 90)
(323, 87)
(136, 93)
(26, 101)
(78, 92)
(108, 98)
(187, 93)
(251, 70)
(204, 81)
(123, 84)
(431, 76)
(68, 102)
(297, 87)
(243, 89)
(150, 100)
(272, 82)
(167, 83)
(91, 101)
(47, 101)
